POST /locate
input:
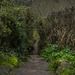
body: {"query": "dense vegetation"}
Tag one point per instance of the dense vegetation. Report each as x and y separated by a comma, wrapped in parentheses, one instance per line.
(58, 41)
(62, 61)
(58, 28)
(16, 25)
(18, 31)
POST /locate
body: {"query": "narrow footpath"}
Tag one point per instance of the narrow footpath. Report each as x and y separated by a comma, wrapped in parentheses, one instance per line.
(35, 66)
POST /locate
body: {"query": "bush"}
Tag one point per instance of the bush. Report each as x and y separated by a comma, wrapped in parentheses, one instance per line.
(62, 61)
(49, 50)
(57, 28)
(6, 59)
(16, 29)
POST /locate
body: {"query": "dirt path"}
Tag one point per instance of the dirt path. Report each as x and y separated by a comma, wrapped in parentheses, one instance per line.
(35, 66)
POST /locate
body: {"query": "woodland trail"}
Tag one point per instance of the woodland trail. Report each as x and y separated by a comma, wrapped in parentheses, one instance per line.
(35, 66)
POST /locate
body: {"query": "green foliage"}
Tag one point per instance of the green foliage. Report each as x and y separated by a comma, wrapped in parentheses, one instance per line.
(6, 59)
(57, 28)
(41, 26)
(56, 56)
(35, 34)
(16, 33)
(16, 29)
(49, 50)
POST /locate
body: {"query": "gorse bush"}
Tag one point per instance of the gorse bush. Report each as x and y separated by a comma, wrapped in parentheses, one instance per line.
(62, 61)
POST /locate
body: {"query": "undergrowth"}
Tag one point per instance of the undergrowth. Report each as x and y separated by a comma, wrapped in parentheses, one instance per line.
(62, 61)
(7, 59)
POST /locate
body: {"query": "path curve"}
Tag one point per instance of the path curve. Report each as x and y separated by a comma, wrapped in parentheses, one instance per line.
(35, 66)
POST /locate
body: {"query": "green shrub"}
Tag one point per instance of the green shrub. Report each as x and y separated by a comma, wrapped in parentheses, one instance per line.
(6, 59)
(48, 51)
(57, 57)
(16, 29)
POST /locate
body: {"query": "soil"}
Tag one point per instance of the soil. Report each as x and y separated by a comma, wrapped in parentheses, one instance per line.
(35, 66)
